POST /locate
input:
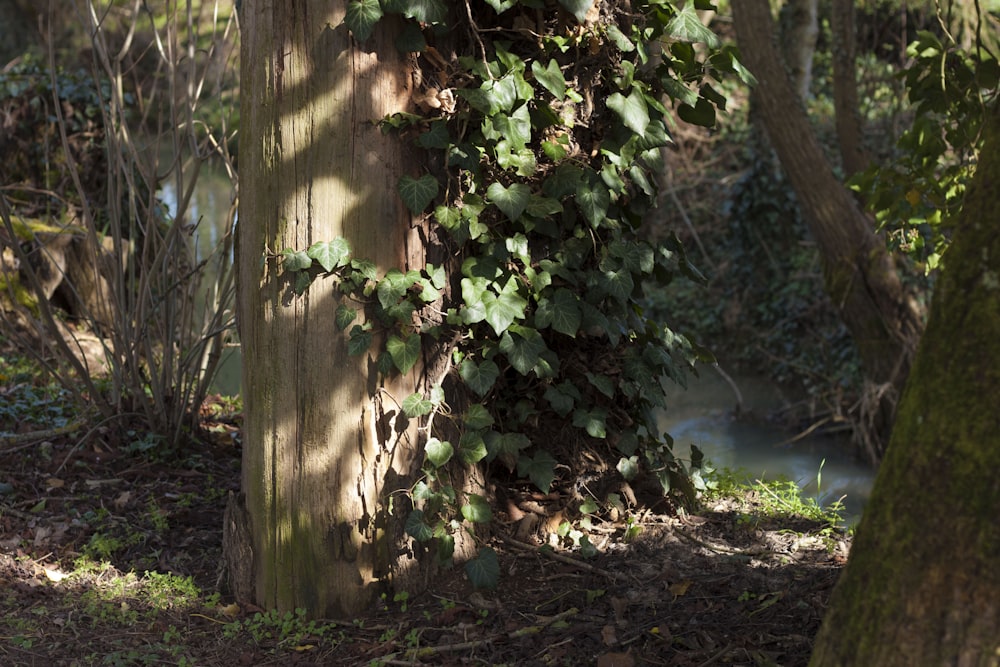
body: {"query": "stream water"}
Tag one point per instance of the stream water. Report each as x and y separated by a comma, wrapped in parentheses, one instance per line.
(823, 466)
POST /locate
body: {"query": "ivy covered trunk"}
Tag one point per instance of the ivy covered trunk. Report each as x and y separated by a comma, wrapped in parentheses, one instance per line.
(859, 275)
(325, 443)
(923, 583)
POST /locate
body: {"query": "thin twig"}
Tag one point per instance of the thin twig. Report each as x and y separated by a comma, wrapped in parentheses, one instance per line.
(548, 553)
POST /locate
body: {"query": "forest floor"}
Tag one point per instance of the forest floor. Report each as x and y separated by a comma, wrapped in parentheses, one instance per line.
(110, 555)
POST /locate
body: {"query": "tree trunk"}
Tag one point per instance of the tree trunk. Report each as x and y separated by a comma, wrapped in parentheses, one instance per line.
(845, 88)
(16, 31)
(798, 37)
(923, 583)
(324, 441)
(858, 272)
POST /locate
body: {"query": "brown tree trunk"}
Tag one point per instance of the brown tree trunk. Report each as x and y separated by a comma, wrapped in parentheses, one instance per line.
(858, 272)
(800, 21)
(324, 441)
(845, 88)
(923, 583)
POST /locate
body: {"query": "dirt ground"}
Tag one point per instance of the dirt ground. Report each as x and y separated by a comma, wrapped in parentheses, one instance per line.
(110, 555)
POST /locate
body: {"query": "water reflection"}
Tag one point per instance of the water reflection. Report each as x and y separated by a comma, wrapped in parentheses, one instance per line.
(211, 217)
(824, 467)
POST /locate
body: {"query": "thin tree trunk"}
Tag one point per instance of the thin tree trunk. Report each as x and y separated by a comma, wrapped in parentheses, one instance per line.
(800, 19)
(923, 583)
(858, 272)
(324, 441)
(845, 88)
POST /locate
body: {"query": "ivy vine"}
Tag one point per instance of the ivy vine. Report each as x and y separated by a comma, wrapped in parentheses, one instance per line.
(550, 137)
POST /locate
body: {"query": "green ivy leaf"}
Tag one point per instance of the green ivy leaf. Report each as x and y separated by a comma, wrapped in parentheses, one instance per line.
(628, 467)
(512, 201)
(551, 77)
(345, 316)
(577, 8)
(702, 113)
(503, 309)
(593, 200)
(359, 341)
(562, 397)
(477, 510)
(425, 11)
(687, 27)
(361, 17)
(411, 39)
(484, 570)
(540, 469)
(618, 284)
(479, 377)
(438, 452)
(296, 260)
(594, 421)
(500, 6)
(405, 352)
(415, 405)
(331, 254)
(417, 193)
(435, 137)
(602, 383)
(561, 312)
(417, 528)
(392, 288)
(632, 110)
(472, 447)
(477, 417)
(523, 348)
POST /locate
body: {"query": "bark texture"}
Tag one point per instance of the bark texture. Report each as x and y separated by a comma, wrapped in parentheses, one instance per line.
(800, 24)
(853, 158)
(859, 274)
(325, 443)
(923, 583)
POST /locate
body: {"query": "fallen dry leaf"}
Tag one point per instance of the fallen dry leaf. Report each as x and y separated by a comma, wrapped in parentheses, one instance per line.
(615, 660)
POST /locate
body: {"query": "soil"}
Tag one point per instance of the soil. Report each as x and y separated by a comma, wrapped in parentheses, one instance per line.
(89, 526)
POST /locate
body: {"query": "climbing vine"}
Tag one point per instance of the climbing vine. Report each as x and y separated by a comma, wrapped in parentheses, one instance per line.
(549, 134)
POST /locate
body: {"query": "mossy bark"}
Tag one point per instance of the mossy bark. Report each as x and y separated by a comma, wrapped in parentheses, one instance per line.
(324, 443)
(923, 583)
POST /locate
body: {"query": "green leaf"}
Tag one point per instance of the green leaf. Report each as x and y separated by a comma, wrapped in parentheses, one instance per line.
(594, 421)
(405, 352)
(500, 6)
(484, 570)
(472, 447)
(438, 452)
(632, 110)
(577, 8)
(392, 288)
(417, 193)
(523, 348)
(628, 467)
(512, 201)
(435, 137)
(359, 342)
(687, 27)
(479, 377)
(477, 417)
(561, 312)
(562, 397)
(593, 200)
(602, 383)
(296, 260)
(477, 510)
(702, 113)
(503, 309)
(551, 77)
(563, 181)
(345, 316)
(331, 254)
(541, 207)
(361, 17)
(415, 405)
(540, 469)
(425, 11)
(618, 284)
(417, 528)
